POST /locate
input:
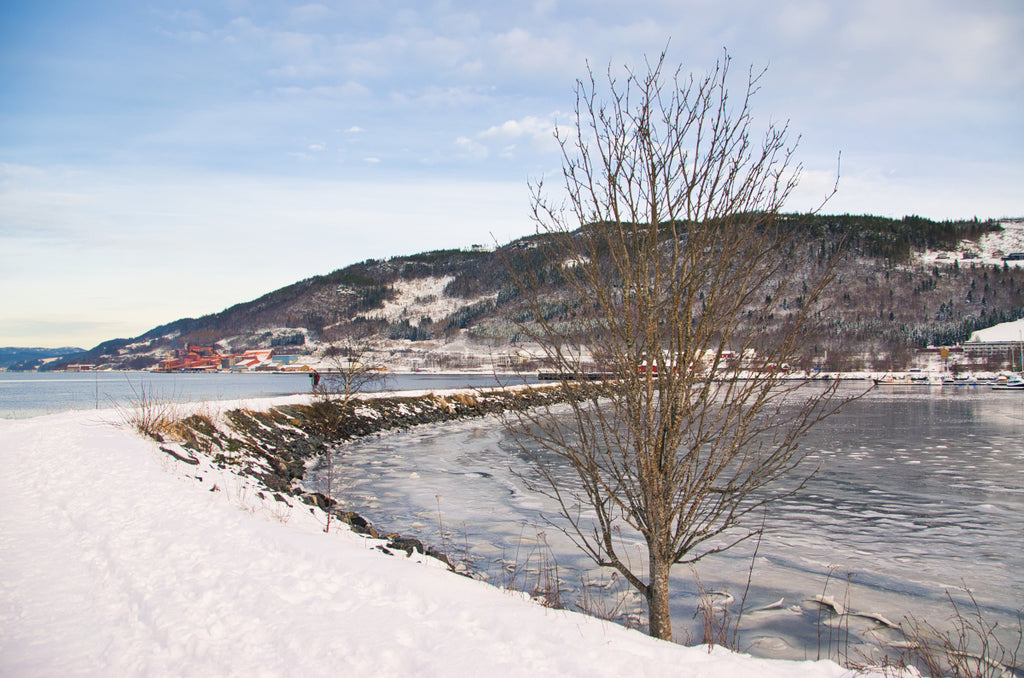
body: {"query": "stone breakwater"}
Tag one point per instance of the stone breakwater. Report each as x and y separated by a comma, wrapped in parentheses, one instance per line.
(276, 446)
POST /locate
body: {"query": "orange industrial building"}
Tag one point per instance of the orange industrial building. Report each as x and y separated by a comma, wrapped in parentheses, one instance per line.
(207, 359)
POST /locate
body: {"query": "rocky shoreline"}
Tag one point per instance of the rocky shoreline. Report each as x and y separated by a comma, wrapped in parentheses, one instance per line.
(275, 447)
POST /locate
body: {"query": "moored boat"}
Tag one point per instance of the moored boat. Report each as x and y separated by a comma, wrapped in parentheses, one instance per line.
(1008, 382)
(912, 379)
(960, 380)
(893, 380)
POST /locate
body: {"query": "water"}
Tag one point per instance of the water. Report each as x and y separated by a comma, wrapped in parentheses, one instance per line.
(28, 394)
(917, 495)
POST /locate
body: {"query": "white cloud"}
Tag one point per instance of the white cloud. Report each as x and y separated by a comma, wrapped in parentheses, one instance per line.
(510, 140)
(470, 148)
(242, 30)
(526, 53)
(537, 130)
(345, 91)
(305, 71)
(459, 99)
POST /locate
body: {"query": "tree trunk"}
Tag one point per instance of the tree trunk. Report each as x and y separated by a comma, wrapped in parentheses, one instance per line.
(659, 616)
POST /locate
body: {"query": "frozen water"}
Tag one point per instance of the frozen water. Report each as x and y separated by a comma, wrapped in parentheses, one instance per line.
(917, 494)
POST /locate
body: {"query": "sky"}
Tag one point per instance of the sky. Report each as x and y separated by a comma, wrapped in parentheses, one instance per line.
(161, 159)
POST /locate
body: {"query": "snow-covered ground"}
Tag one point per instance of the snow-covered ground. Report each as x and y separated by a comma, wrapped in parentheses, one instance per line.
(117, 560)
(1011, 331)
(990, 248)
(423, 298)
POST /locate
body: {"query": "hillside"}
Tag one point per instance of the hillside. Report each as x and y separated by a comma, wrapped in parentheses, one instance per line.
(22, 358)
(902, 284)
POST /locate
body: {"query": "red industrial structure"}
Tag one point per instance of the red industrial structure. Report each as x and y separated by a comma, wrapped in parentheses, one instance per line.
(192, 359)
(207, 359)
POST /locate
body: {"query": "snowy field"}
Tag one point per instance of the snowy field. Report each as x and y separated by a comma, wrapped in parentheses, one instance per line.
(117, 560)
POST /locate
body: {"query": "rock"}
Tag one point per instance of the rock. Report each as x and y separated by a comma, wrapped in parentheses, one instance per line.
(318, 499)
(407, 544)
(276, 447)
(354, 519)
(276, 483)
(188, 460)
(440, 555)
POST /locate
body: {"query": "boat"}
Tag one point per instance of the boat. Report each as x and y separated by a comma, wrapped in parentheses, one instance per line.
(893, 380)
(912, 378)
(960, 380)
(1008, 382)
(1012, 381)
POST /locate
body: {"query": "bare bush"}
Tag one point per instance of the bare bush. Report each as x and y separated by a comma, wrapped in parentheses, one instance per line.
(971, 648)
(149, 414)
(352, 372)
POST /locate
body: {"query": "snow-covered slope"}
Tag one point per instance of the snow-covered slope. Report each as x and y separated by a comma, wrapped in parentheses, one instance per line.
(1011, 331)
(423, 298)
(989, 249)
(117, 560)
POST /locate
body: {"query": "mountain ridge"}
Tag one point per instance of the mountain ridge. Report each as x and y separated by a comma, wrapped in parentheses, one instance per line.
(901, 284)
(27, 357)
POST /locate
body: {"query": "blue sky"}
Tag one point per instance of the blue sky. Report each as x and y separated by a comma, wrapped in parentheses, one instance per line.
(160, 159)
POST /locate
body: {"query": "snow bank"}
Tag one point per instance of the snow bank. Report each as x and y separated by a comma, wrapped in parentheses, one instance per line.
(117, 560)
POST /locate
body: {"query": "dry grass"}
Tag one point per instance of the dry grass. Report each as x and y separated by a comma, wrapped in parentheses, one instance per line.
(151, 415)
(465, 399)
(717, 624)
(536, 573)
(971, 648)
(608, 599)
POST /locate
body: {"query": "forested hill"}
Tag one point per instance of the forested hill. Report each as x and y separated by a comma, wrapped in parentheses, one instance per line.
(895, 240)
(32, 358)
(902, 283)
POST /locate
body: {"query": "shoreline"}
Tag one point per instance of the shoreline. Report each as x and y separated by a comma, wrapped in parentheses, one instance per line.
(119, 559)
(277, 443)
(405, 410)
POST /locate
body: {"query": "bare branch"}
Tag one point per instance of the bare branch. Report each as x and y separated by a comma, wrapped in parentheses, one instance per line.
(672, 256)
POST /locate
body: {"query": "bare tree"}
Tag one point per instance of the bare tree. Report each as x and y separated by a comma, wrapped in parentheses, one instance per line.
(352, 371)
(667, 263)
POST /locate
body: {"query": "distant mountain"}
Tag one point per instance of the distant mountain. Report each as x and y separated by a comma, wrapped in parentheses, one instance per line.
(902, 283)
(19, 358)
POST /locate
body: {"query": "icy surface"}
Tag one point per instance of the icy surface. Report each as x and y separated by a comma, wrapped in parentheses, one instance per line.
(917, 494)
(116, 560)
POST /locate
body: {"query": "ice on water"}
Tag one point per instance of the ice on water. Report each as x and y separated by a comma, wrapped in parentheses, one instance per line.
(916, 494)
